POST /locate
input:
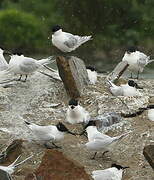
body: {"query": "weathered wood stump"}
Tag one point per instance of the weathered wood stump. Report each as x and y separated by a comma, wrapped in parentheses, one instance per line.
(74, 75)
(118, 71)
(148, 153)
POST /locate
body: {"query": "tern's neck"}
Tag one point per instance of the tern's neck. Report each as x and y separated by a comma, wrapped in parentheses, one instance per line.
(58, 32)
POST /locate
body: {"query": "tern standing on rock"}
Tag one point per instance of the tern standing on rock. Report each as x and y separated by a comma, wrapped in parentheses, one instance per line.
(67, 42)
(136, 60)
(22, 65)
(76, 113)
(49, 133)
(98, 141)
(92, 74)
(129, 89)
(113, 173)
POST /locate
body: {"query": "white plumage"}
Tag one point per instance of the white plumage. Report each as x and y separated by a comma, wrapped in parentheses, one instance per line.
(98, 141)
(92, 74)
(76, 114)
(21, 65)
(107, 174)
(128, 89)
(151, 114)
(113, 173)
(67, 42)
(52, 133)
(136, 60)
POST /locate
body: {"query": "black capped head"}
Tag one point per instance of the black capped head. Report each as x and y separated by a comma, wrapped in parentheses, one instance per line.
(90, 123)
(73, 103)
(61, 127)
(132, 83)
(118, 166)
(92, 68)
(56, 28)
(131, 49)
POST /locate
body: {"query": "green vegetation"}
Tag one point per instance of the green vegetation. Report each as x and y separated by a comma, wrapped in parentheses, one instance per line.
(26, 24)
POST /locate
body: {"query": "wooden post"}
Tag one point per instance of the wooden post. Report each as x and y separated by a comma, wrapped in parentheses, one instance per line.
(74, 75)
(118, 71)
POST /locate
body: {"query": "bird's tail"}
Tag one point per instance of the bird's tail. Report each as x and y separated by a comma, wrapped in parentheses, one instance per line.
(46, 60)
(18, 164)
(150, 61)
(83, 39)
(13, 164)
(117, 138)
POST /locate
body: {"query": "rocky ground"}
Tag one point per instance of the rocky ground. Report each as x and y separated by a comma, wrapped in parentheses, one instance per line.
(44, 101)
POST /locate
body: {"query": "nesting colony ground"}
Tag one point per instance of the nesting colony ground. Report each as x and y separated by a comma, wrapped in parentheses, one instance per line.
(44, 101)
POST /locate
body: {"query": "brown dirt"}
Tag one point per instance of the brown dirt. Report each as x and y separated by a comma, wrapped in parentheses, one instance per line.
(56, 166)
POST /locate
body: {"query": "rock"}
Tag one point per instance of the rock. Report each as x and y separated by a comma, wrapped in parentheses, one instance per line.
(56, 166)
(118, 71)
(148, 153)
(73, 74)
(106, 120)
(4, 175)
(11, 152)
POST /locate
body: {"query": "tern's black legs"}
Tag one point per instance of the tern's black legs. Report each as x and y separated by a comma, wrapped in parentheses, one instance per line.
(50, 147)
(19, 78)
(56, 145)
(22, 80)
(138, 75)
(104, 153)
(101, 156)
(94, 155)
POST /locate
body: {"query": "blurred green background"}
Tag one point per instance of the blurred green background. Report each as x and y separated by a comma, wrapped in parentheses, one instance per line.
(25, 26)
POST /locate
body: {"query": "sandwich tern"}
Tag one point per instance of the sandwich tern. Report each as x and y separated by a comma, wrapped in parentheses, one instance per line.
(129, 89)
(76, 113)
(92, 74)
(113, 173)
(21, 65)
(67, 42)
(136, 60)
(11, 168)
(50, 133)
(98, 141)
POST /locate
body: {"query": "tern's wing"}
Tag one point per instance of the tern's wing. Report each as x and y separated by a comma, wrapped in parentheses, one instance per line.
(98, 145)
(105, 174)
(28, 65)
(100, 136)
(71, 41)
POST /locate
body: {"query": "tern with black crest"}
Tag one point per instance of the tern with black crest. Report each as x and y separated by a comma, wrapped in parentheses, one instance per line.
(67, 42)
(115, 172)
(98, 141)
(51, 133)
(76, 113)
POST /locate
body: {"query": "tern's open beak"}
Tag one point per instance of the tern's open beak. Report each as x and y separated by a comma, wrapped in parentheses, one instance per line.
(138, 87)
(71, 133)
(126, 167)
